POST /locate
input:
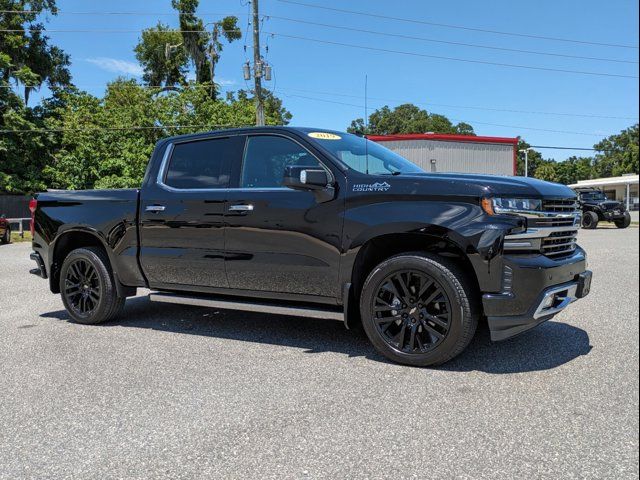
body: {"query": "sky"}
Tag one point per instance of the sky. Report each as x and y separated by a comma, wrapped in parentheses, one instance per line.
(323, 84)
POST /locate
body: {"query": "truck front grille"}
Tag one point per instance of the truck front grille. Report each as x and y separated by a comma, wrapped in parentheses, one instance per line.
(568, 205)
(552, 234)
(559, 244)
(561, 241)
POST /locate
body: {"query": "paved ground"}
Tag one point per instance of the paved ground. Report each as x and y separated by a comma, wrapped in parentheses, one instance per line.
(184, 392)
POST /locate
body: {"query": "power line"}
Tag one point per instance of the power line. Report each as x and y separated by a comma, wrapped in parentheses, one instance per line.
(473, 45)
(345, 95)
(455, 59)
(492, 109)
(458, 27)
(119, 129)
(519, 127)
(152, 29)
(541, 147)
(145, 14)
(339, 27)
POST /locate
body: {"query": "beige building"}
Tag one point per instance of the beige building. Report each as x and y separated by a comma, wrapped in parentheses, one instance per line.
(623, 189)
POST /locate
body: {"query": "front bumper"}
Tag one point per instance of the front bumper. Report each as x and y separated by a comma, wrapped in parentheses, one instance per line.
(613, 215)
(535, 289)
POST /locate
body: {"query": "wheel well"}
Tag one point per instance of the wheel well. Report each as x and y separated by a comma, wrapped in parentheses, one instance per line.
(380, 248)
(65, 245)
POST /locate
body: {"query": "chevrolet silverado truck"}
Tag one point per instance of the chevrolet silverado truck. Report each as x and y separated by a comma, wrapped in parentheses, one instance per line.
(323, 224)
(596, 208)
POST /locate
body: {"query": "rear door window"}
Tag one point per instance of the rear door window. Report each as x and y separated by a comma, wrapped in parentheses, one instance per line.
(203, 164)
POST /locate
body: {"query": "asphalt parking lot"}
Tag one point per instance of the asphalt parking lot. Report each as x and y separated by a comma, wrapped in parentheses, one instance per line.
(185, 392)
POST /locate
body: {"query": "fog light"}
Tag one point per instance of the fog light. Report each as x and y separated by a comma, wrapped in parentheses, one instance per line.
(549, 301)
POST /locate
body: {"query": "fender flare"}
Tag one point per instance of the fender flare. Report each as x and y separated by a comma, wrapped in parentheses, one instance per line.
(122, 290)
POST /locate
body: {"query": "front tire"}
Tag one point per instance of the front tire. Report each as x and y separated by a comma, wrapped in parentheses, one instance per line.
(87, 287)
(590, 220)
(624, 222)
(6, 238)
(418, 309)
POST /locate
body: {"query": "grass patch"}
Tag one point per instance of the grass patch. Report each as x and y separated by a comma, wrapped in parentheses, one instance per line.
(16, 238)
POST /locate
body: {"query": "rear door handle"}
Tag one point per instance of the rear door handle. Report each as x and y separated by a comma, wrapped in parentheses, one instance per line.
(155, 208)
(241, 208)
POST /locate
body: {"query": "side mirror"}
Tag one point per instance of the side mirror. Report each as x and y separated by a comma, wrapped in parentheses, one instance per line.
(305, 178)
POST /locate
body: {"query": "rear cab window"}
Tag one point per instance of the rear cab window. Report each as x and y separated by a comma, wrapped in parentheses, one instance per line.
(203, 164)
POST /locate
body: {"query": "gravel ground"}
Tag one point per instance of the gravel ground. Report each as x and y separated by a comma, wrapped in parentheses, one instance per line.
(183, 392)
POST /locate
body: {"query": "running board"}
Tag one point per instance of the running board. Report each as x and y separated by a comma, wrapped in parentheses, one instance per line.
(259, 307)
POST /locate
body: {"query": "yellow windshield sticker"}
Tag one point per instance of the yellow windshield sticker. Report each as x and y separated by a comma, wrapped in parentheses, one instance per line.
(325, 136)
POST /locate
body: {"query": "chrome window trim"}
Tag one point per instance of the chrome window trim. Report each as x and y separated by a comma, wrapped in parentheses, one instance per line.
(164, 165)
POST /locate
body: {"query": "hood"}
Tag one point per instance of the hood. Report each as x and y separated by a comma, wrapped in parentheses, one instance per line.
(494, 185)
(610, 204)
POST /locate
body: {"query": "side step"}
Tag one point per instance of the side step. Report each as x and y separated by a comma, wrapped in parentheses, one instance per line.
(260, 307)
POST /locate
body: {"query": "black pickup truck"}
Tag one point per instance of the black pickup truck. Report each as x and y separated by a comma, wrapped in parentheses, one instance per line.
(317, 223)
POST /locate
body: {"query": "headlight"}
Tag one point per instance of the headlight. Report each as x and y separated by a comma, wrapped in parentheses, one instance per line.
(513, 206)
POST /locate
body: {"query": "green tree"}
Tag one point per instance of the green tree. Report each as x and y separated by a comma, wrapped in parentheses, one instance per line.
(107, 142)
(547, 170)
(202, 47)
(574, 169)
(27, 61)
(407, 118)
(164, 60)
(26, 57)
(619, 154)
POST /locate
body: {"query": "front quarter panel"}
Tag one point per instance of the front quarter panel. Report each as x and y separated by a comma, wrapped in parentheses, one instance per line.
(440, 211)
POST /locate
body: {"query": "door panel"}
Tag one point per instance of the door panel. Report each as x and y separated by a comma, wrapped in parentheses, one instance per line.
(279, 239)
(287, 243)
(182, 215)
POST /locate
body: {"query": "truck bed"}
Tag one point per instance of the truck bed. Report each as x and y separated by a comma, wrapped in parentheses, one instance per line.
(109, 214)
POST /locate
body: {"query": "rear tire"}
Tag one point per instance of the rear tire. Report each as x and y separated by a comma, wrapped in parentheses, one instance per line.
(6, 238)
(87, 287)
(419, 309)
(624, 222)
(590, 220)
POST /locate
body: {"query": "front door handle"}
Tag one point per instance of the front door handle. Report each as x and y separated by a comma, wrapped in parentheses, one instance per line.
(241, 208)
(155, 208)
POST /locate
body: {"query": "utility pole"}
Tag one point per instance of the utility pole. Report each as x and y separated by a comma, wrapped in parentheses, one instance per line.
(214, 57)
(257, 65)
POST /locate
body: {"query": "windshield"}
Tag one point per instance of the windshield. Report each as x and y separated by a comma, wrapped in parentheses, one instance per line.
(593, 196)
(364, 155)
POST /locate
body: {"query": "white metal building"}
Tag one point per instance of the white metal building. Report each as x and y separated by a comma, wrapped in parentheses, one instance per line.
(623, 189)
(455, 153)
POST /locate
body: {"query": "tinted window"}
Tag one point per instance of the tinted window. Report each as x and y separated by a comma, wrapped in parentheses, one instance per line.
(364, 155)
(266, 158)
(204, 163)
(593, 196)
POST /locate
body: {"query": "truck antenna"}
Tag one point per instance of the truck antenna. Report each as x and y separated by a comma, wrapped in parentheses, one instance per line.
(366, 125)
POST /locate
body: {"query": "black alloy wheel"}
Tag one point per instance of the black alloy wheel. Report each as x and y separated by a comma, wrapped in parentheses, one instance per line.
(82, 287)
(88, 287)
(412, 313)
